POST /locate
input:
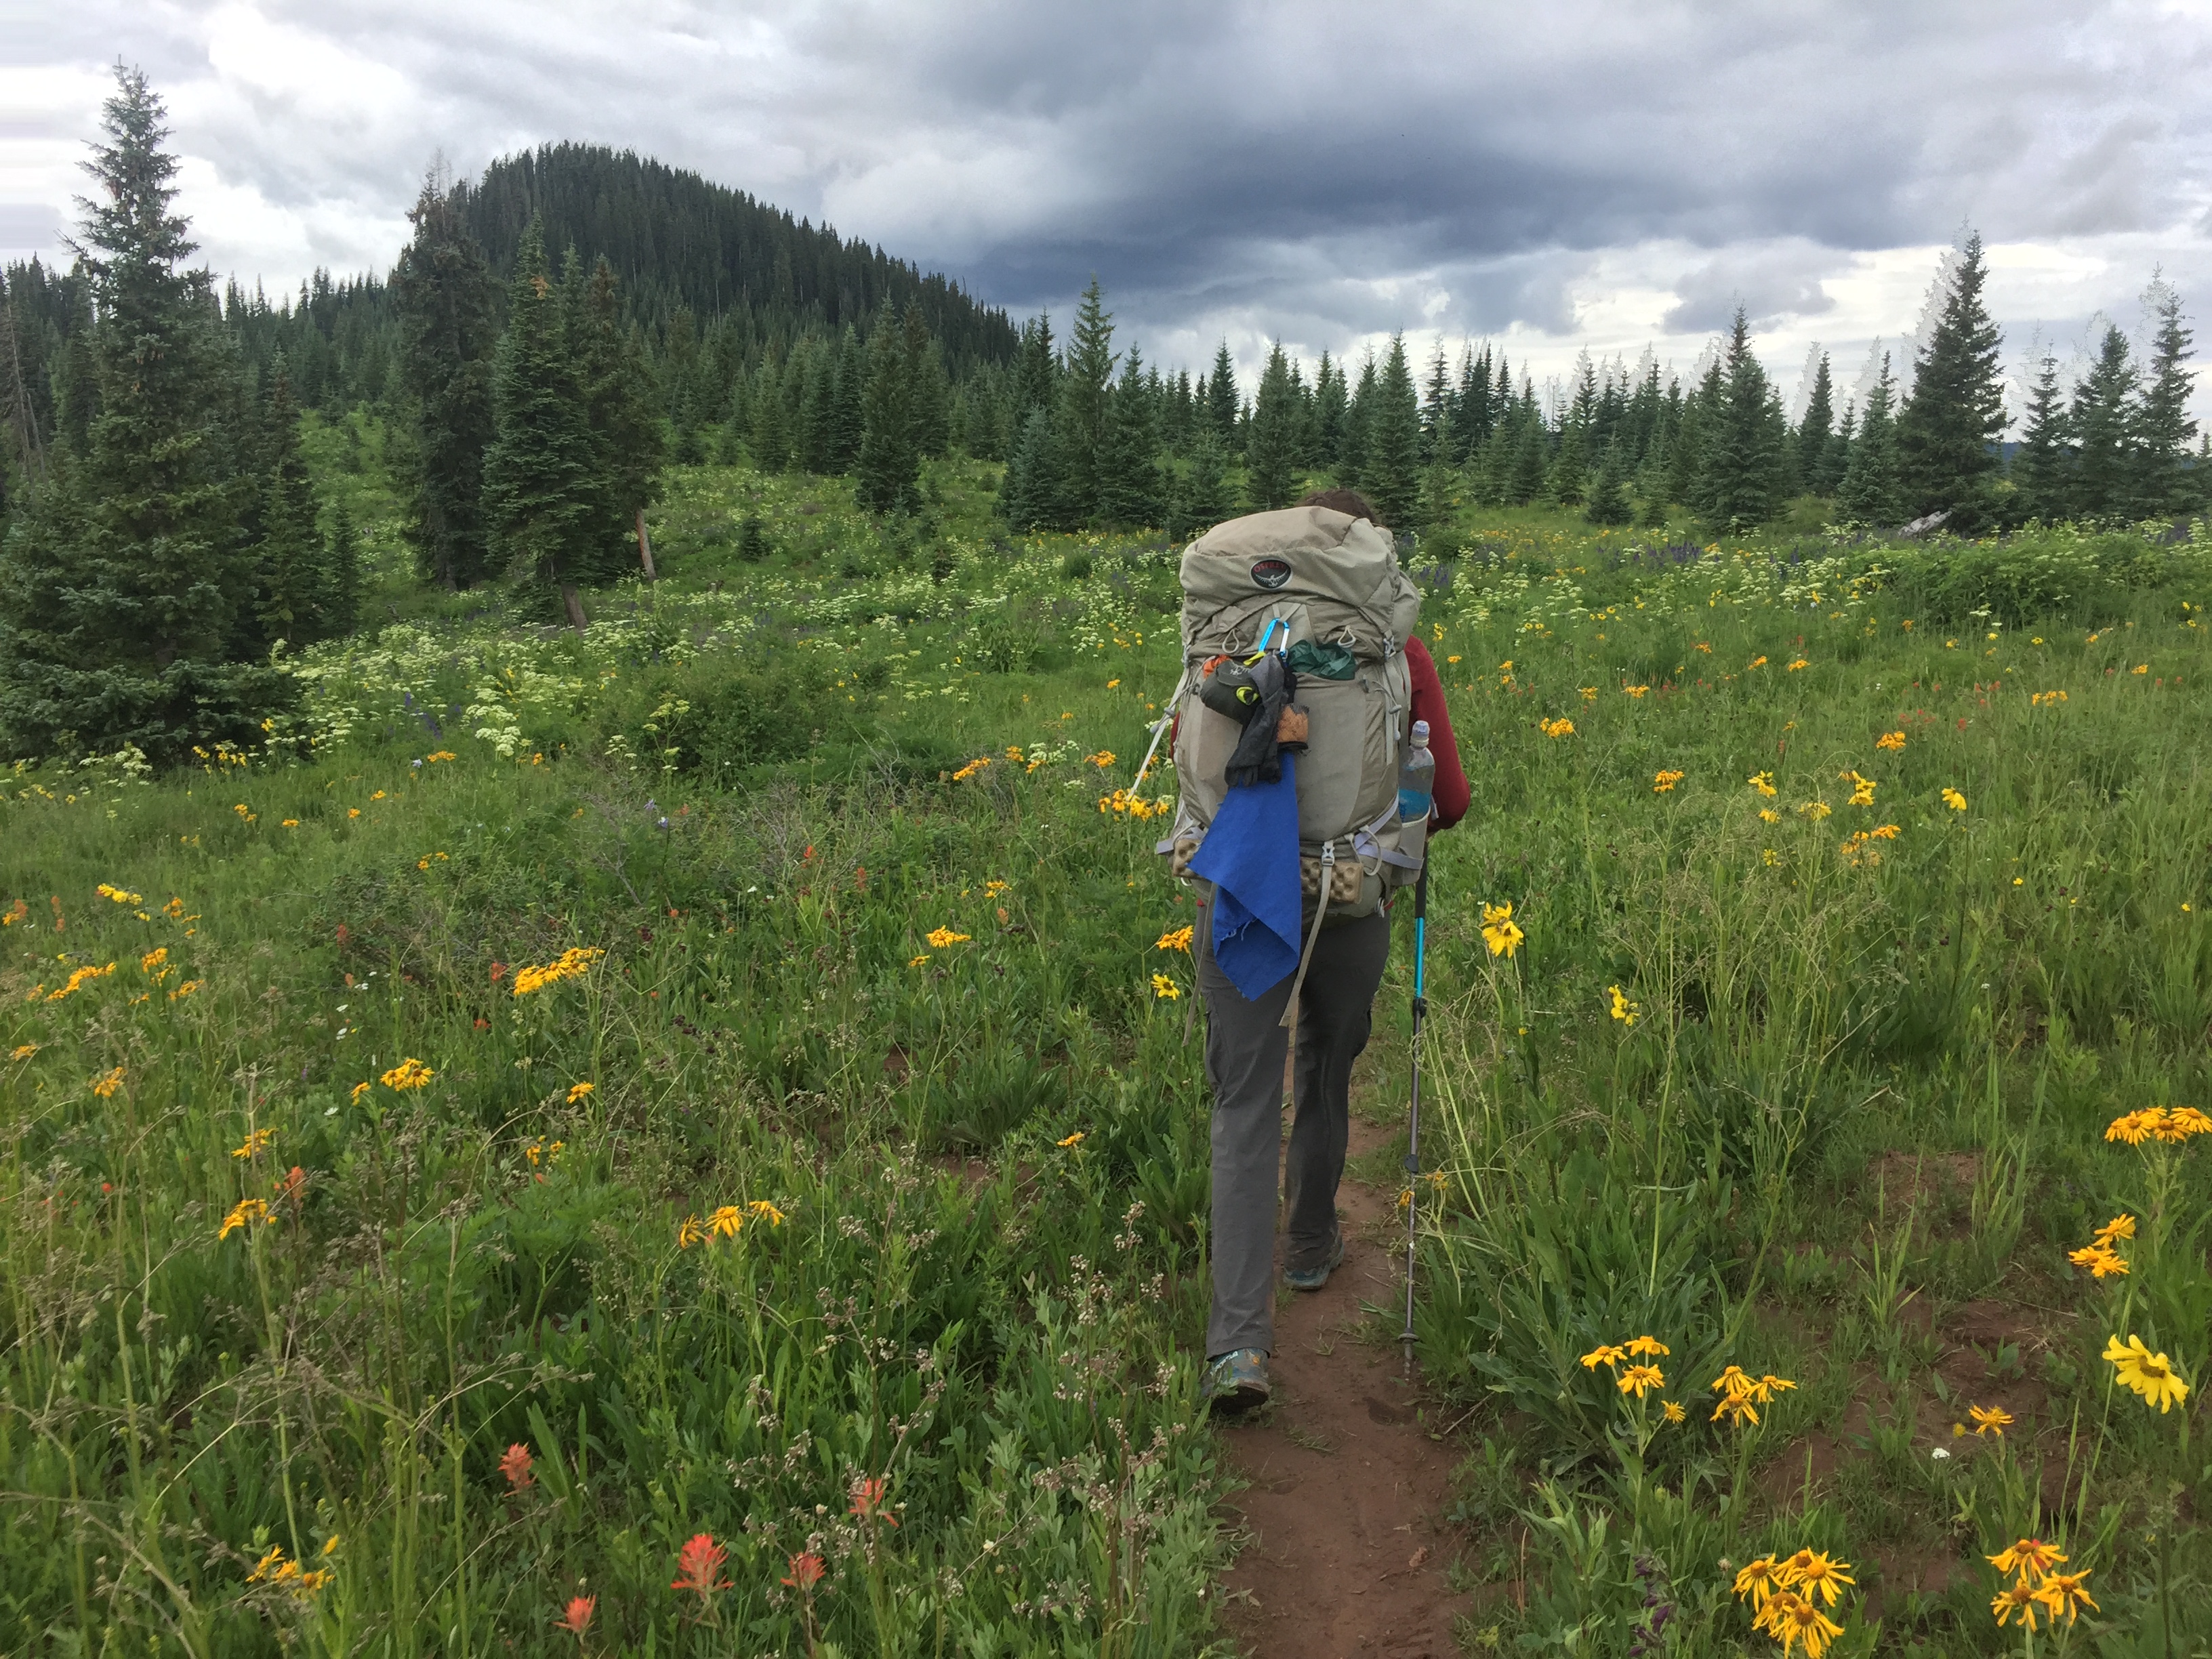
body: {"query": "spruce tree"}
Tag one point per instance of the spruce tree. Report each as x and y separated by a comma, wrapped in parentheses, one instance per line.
(445, 301)
(2102, 421)
(1270, 456)
(290, 575)
(1221, 402)
(1358, 422)
(342, 571)
(1828, 477)
(1202, 498)
(2040, 464)
(932, 401)
(2159, 486)
(849, 421)
(1564, 482)
(1029, 494)
(1947, 428)
(1037, 373)
(1329, 401)
(122, 591)
(539, 473)
(1608, 502)
(625, 436)
(1739, 485)
(770, 435)
(1815, 430)
(1078, 417)
(1531, 448)
(1392, 476)
(1873, 488)
(888, 477)
(1128, 463)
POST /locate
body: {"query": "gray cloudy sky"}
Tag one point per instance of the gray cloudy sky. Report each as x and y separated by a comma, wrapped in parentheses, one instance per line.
(1572, 176)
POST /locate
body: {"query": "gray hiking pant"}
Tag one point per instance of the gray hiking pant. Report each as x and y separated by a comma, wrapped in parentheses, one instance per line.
(1245, 1046)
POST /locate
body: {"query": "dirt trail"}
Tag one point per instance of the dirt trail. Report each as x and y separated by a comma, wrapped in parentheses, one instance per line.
(1348, 1549)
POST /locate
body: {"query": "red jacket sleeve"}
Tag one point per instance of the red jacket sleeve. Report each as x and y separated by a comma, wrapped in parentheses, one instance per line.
(1451, 791)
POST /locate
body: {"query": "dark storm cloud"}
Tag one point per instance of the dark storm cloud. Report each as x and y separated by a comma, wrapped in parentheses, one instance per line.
(1317, 172)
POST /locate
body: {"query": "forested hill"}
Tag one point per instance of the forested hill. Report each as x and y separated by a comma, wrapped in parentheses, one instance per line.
(675, 239)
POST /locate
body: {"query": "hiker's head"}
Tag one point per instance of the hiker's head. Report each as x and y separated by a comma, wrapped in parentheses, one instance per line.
(1349, 502)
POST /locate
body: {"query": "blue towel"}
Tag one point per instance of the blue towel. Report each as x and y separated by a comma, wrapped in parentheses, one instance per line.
(1250, 855)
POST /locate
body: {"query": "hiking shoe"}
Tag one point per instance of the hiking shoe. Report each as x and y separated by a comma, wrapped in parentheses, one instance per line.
(1312, 1278)
(1237, 1382)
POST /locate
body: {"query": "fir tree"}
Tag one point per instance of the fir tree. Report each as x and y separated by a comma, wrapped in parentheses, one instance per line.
(1435, 408)
(2101, 422)
(1815, 430)
(848, 420)
(888, 473)
(2039, 465)
(2161, 486)
(1358, 422)
(1202, 498)
(1608, 502)
(1739, 485)
(1128, 467)
(1562, 484)
(932, 400)
(1270, 455)
(445, 301)
(1037, 373)
(342, 571)
(1221, 403)
(1329, 401)
(1392, 476)
(1828, 477)
(291, 576)
(539, 473)
(1525, 481)
(1078, 418)
(625, 438)
(1956, 412)
(1873, 488)
(1693, 435)
(770, 435)
(121, 593)
(1029, 494)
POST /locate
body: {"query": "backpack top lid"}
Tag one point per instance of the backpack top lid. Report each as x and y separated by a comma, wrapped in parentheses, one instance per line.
(1344, 570)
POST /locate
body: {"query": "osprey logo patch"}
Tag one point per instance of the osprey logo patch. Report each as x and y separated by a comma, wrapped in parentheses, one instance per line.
(1270, 573)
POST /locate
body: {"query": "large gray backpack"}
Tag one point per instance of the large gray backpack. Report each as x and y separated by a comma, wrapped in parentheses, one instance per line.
(1306, 574)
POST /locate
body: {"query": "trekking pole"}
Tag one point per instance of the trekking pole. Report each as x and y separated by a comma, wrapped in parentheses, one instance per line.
(1413, 1134)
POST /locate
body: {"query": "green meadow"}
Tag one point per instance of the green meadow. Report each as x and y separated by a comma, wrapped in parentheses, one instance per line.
(728, 1074)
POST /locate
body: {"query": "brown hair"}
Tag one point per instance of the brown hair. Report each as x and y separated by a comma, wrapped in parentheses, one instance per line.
(1350, 502)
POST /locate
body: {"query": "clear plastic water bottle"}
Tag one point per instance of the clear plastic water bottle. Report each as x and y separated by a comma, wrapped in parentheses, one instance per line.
(1417, 778)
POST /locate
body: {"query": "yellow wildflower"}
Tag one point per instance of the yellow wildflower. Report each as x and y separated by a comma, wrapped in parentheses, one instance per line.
(1648, 1344)
(689, 1231)
(1892, 740)
(1499, 930)
(2150, 1375)
(725, 1221)
(1075, 1139)
(1638, 1379)
(764, 1211)
(108, 1082)
(408, 1073)
(572, 963)
(1606, 1354)
(578, 1091)
(1176, 938)
(2063, 1593)
(1763, 782)
(1673, 1412)
(1990, 1420)
(1165, 988)
(255, 1140)
(1624, 1011)
(1954, 800)
(1812, 1573)
(941, 937)
(2120, 1226)
(245, 1213)
(1758, 1580)
(1662, 783)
